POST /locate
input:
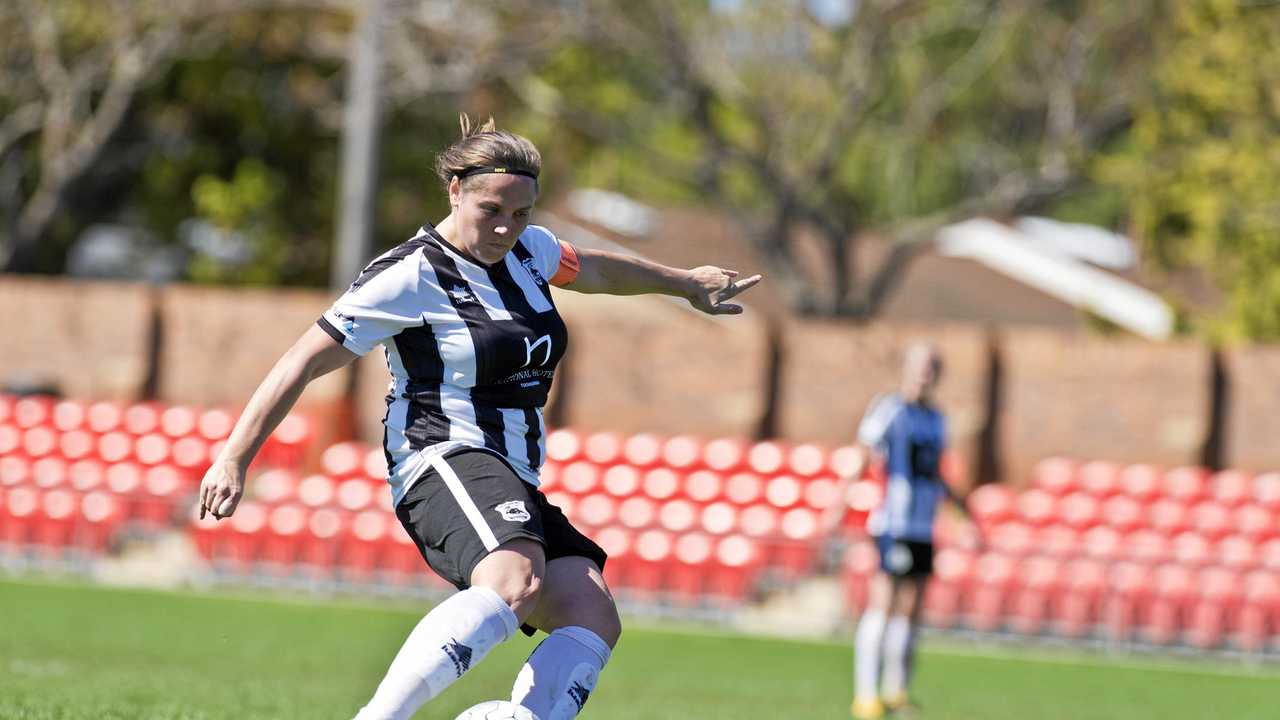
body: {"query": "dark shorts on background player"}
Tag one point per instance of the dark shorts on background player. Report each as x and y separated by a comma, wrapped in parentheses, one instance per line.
(905, 558)
(456, 527)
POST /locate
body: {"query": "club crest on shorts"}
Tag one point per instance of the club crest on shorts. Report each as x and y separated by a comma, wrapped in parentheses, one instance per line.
(513, 511)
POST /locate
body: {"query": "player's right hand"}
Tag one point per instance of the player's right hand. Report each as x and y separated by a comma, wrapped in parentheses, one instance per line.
(221, 489)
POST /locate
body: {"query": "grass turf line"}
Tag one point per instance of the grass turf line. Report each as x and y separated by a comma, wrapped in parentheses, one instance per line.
(73, 652)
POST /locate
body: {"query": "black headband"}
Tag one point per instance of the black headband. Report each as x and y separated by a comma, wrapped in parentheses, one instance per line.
(483, 169)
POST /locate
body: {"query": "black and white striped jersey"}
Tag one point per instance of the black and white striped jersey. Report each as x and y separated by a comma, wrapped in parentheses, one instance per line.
(471, 348)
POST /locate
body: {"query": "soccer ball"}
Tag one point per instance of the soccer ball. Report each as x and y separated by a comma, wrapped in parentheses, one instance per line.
(497, 710)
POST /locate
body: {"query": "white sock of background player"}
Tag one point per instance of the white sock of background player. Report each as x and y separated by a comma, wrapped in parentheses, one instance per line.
(897, 651)
(866, 661)
(451, 639)
(560, 673)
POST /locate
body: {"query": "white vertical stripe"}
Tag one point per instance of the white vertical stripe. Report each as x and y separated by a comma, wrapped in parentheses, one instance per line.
(468, 505)
(532, 292)
(456, 404)
(542, 436)
(457, 350)
(481, 285)
(514, 429)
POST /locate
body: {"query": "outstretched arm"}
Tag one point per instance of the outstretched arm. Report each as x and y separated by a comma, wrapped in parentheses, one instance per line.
(707, 288)
(313, 355)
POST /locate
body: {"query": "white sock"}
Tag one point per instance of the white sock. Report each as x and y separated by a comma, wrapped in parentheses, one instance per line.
(453, 637)
(897, 653)
(560, 673)
(866, 661)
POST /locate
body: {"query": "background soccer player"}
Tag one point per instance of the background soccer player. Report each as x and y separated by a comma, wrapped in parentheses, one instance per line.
(908, 434)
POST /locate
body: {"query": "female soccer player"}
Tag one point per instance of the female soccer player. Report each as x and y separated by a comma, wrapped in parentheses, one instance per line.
(472, 337)
(907, 432)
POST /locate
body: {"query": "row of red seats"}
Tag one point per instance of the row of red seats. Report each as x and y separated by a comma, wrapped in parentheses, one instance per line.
(1142, 545)
(1144, 483)
(60, 520)
(1124, 601)
(287, 538)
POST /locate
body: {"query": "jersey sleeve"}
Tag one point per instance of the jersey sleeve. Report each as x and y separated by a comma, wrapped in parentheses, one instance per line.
(874, 428)
(377, 308)
(556, 259)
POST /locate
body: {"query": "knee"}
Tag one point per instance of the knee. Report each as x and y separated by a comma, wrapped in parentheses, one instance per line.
(520, 590)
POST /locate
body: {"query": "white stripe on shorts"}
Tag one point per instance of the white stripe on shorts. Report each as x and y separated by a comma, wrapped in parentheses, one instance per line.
(454, 483)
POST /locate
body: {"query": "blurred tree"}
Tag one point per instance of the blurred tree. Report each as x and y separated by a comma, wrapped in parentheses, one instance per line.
(894, 118)
(1204, 162)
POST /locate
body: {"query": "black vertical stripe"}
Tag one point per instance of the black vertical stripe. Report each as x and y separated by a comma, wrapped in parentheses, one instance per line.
(531, 437)
(494, 428)
(513, 297)
(525, 257)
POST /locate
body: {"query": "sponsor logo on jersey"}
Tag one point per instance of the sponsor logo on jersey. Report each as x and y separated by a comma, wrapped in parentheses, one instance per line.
(532, 267)
(460, 655)
(530, 347)
(462, 294)
(513, 511)
(579, 694)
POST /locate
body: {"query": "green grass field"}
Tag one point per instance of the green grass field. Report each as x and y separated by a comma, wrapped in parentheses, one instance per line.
(73, 652)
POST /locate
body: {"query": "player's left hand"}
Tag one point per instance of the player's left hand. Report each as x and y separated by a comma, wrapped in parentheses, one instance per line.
(711, 287)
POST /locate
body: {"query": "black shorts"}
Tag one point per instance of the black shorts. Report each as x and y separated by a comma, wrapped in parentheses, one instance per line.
(457, 521)
(905, 558)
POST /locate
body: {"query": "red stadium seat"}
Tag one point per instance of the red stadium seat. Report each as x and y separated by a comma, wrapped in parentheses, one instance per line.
(364, 545)
(1213, 614)
(355, 494)
(1231, 487)
(10, 439)
(821, 493)
(860, 563)
(152, 449)
(285, 537)
(579, 478)
(177, 421)
(316, 490)
(643, 450)
(1174, 588)
(343, 459)
(274, 486)
(682, 452)
(287, 445)
(15, 471)
(724, 455)
(1054, 475)
(692, 552)
(1014, 539)
(1238, 552)
(783, 491)
(1266, 491)
(1148, 546)
(1192, 549)
(1058, 541)
(758, 521)
(563, 446)
(1039, 581)
(766, 458)
(617, 543)
(991, 504)
(567, 503)
(68, 415)
(603, 448)
(621, 481)
(732, 577)
(597, 510)
(100, 518)
(375, 464)
(1187, 484)
(842, 459)
(864, 496)
(1259, 624)
(1269, 554)
(1078, 610)
(637, 512)
(1122, 513)
(653, 550)
(952, 568)
(1037, 507)
(76, 444)
(719, 518)
(1211, 519)
(141, 418)
(1167, 515)
(1078, 510)
(49, 472)
(1129, 593)
(86, 475)
(1103, 543)
(807, 460)
(115, 447)
(703, 486)
(39, 441)
(660, 484)
(192, 454)
(1140, 482)
(743, 488)
(33, 411)
(993, 580)
(1100, 479)
(1254, 521)
(677, 516)
(104, 417)
(794, 554)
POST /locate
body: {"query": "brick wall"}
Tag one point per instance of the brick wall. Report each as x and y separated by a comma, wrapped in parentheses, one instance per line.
(87, 339)
(1252, 439)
